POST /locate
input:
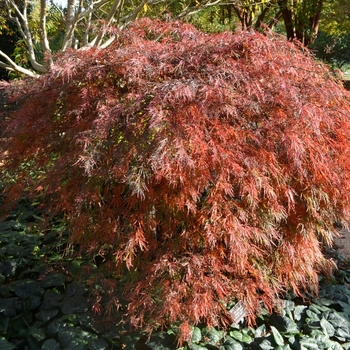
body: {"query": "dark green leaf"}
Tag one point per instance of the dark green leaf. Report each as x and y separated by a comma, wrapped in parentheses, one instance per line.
(74, 266)
(2, 279)
(4, 323)
(324, 302)
(313, 316)
(294, 342)
(53, 327)
(129, 340)
(232, 344)
(196, 335)
(330, 345)
(314, 308)
(86, 321)
(50, 237)
(300, 312)
(309, 343)
(319, 336)
(346, 346)
(27, 215)
(260, 331)
(46, 315)
(288, 307)
(99, 328)
(76, 303)
(8, 267)
(327, 327)
(236, 335)
(98, 344)
(14, 250)
(277, 336)
(37, 333)
(5, 345)
(7, 307)
(266, 344)
(75, 289)
(32, 302)
(337, 319)
(70, 338)
(196, 347)
(50, 344)
(26, 287)
(213, 334)
(112, 332)
(75, 345)
(281, 323)
(162, 340)
(51, 300)
(19, 325)
(311, 326)
(240, 336)
(9, 226)
(342, 334)
(53, 280)
(70, 320)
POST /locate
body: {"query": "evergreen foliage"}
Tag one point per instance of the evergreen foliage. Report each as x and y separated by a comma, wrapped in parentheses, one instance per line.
(215, 165)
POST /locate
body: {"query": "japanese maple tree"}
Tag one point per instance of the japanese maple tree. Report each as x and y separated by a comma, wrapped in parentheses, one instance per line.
(216, 165)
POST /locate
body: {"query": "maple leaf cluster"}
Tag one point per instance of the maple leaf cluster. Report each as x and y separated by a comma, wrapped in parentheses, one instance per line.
(216, 165)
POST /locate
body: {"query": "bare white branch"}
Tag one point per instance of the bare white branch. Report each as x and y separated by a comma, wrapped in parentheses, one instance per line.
(43, 34)
(84, 13)
(21, 18)
(113, 10)
(10, 65)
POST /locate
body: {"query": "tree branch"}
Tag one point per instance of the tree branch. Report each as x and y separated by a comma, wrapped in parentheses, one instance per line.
(191, 10)
(43, 34)
(113, 10)
(22, 22)
(12, 66)
(133, 14)
(70, 25)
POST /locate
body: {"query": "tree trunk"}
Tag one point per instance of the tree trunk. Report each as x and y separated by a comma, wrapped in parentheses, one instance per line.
(301, 19)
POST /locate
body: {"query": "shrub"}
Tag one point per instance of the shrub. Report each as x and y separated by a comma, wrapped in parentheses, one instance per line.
(216, 165)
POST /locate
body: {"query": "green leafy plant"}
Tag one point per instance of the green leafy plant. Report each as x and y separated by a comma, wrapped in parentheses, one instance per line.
(214, 165)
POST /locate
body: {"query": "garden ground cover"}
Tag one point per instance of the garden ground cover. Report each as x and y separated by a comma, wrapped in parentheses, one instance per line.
(52, 296)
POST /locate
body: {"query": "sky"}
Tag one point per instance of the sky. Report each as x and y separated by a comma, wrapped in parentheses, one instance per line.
(60, 2)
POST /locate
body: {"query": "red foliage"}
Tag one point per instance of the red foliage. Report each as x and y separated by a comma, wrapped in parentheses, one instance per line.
(216, 164)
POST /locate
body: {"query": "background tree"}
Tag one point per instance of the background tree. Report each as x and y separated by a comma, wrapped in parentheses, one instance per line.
(33, 21)
(253, 14)
(333, 42)
(333, 49)
(46, 28)
(336, 17)
(215, 165)
(9, 38)
(301, 19)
